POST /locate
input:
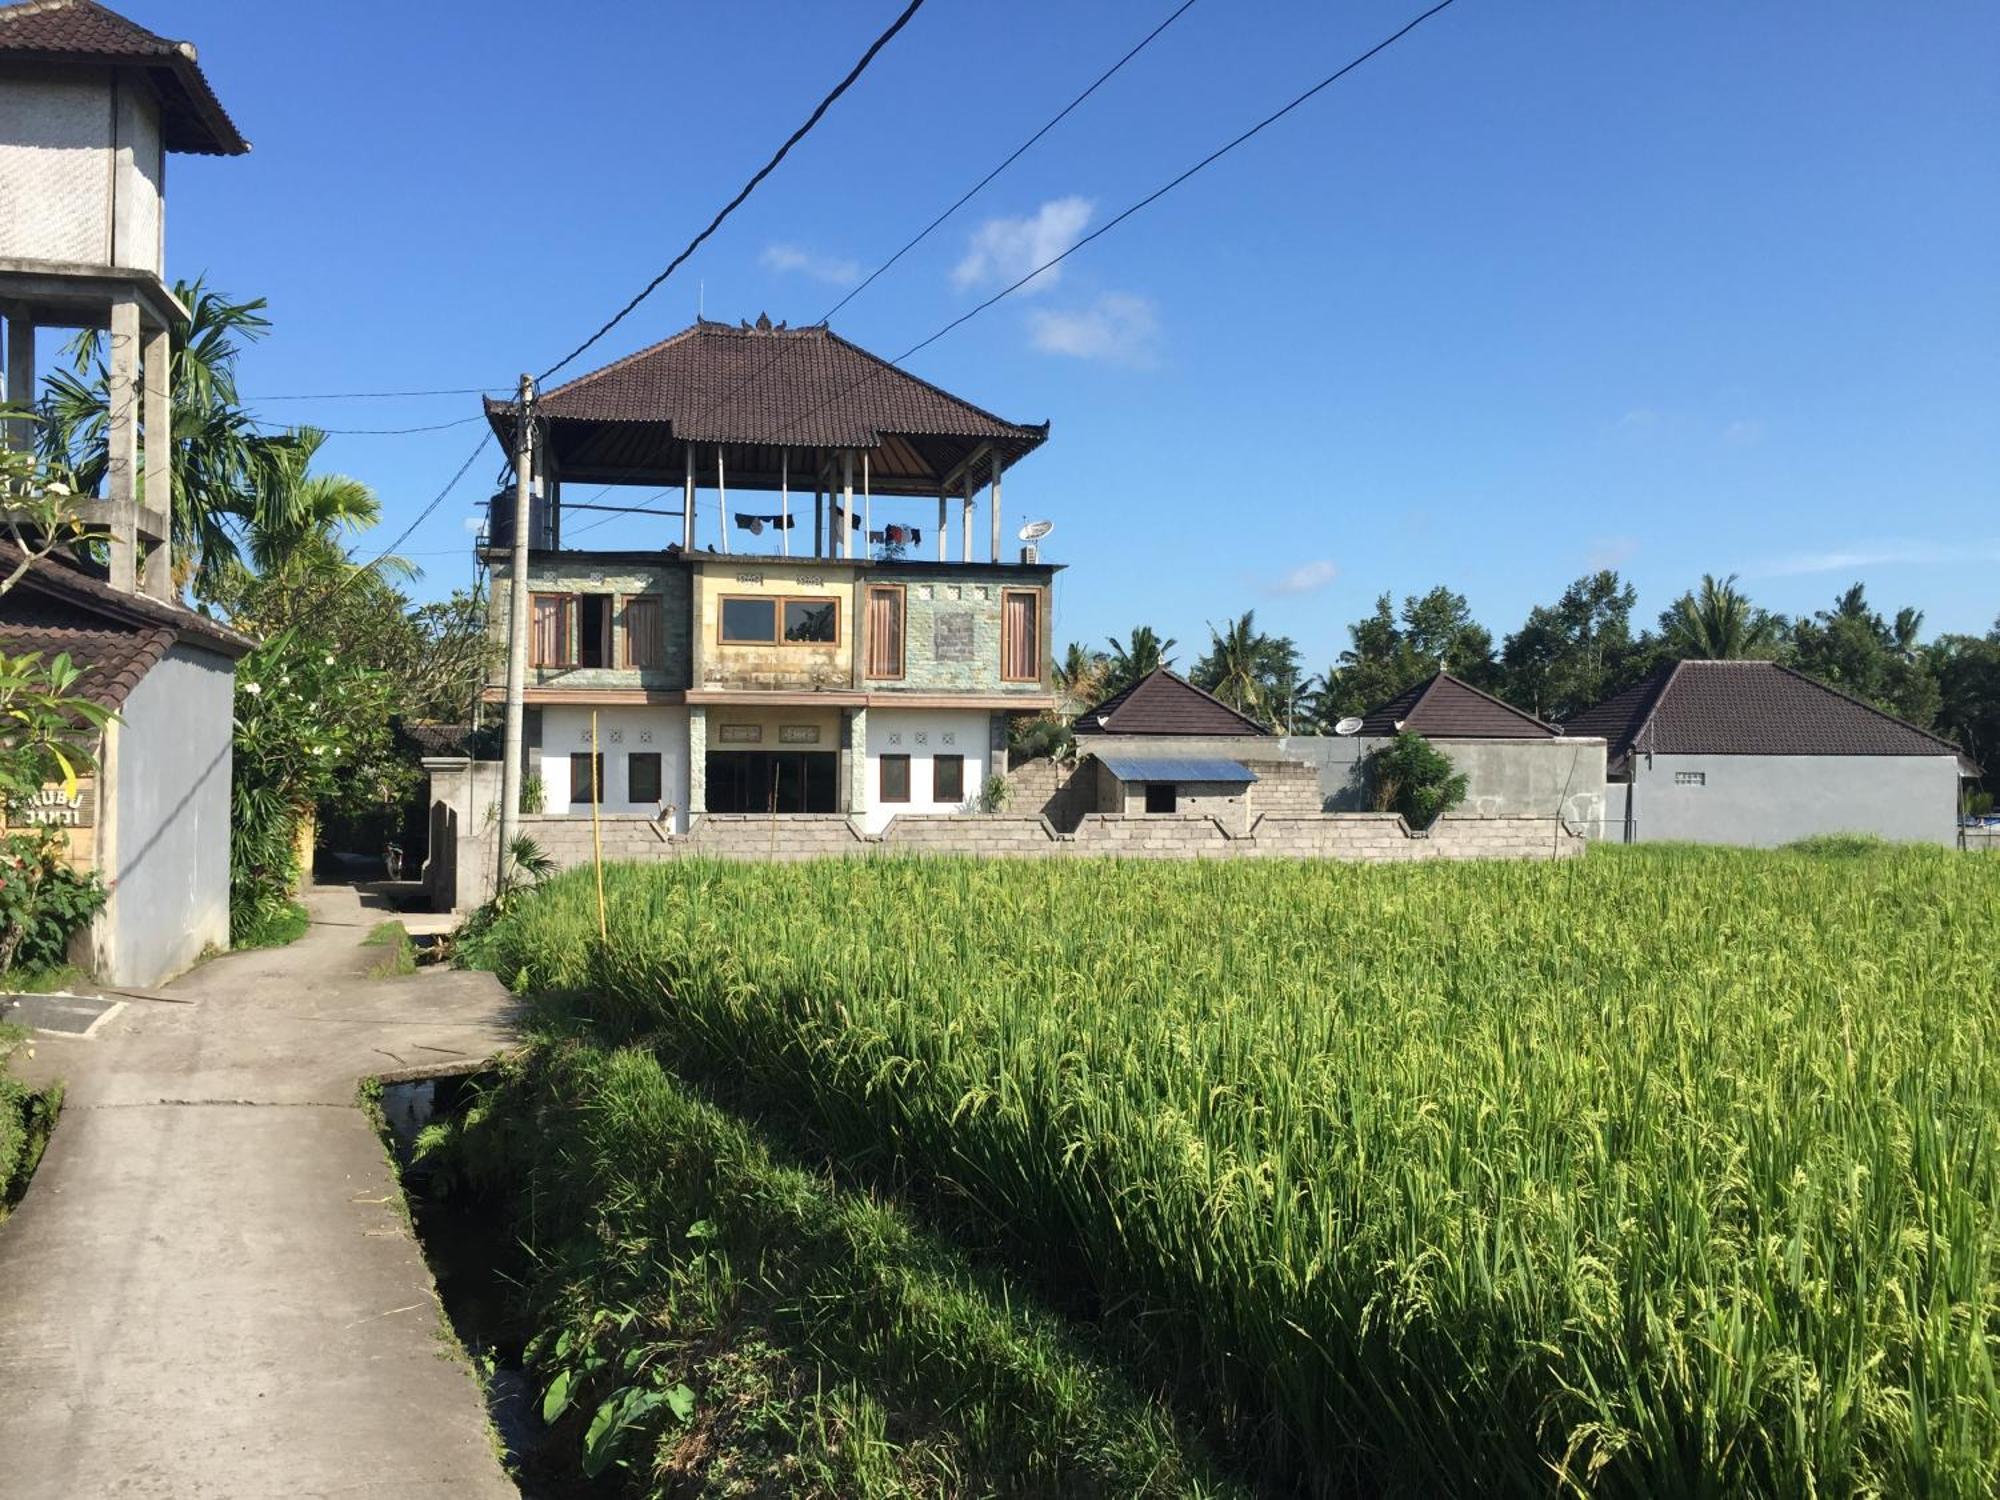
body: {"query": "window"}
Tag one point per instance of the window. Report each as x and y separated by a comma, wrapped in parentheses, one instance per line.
(895, 778)
(1160, 797)
(548, 642)
(948, 778)
(1020, 635)
(885, 631)
(755, 621)
(642, 776)
(593, 630)
(1690, 778)
(749, 619)
(812, 619)
(586, 775)
(644, 646)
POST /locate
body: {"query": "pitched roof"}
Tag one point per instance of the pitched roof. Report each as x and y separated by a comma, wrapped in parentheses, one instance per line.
(119, 637)
(1443, 707)
(765, 386)
(1163, 702)
(192, 119)
(1746, 708)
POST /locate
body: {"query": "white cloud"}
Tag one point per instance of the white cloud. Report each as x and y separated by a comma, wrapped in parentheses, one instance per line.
(789, 259)
(1002, 251)
(1119, 326)
(1612, 551)
(473, 525)
(1846, 560)
(1306, 578)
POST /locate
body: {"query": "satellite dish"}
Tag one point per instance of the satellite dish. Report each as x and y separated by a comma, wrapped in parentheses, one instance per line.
(1348, 726)
(1034, 531)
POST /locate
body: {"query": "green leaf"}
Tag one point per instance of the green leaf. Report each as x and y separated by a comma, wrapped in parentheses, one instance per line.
(600, 1440)
(556, 1402)
(680, 1401)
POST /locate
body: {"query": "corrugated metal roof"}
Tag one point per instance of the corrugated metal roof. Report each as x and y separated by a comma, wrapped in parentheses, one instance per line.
(1171, 768)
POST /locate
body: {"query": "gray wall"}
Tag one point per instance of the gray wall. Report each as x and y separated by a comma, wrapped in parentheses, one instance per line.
(1504, 778)
(170, 899)
(1765, 800)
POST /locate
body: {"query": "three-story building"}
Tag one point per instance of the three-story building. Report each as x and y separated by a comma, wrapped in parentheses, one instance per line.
(831, 629)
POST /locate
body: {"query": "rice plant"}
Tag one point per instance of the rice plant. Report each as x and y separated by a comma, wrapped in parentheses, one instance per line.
(1667, 1171)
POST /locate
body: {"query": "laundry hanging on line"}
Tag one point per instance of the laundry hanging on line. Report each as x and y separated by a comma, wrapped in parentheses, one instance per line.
(755, 524)
(912, 536)
(854, 522)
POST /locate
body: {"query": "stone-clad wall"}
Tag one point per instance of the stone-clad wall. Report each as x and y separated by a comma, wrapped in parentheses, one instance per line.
(951, 633)
(557, 574)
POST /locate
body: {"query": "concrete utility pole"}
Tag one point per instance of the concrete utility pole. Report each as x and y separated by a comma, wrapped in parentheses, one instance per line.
(517, 627)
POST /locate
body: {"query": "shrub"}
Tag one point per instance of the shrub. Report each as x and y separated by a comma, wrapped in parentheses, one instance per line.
(44, 902)
(1413, 777)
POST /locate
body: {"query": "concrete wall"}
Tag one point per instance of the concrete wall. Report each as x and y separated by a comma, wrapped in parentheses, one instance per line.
(169, 838)
(621, 731)
(80, 169)
(1766, 800)
(922, 734)
(1504, 778)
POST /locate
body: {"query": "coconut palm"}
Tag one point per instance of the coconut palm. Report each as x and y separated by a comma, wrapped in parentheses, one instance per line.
(1253, 673)
(1080, 677)
(1719, 623)
(1139, 653)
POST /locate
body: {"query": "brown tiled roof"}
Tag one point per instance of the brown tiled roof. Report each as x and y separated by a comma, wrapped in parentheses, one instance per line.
(1163, 702)
(81, 31)
(1443, 707)
(1745, 708)
(764, 387)
(438, 739)
(54, 607)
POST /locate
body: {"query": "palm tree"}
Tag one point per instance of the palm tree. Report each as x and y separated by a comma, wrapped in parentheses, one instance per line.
(1719, 623)
(225, 471)
(1253, 673)
(1080, 678)
(301, 511)
(1137, 655)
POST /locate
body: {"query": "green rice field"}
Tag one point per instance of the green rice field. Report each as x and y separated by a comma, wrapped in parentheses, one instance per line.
(1661, 1172)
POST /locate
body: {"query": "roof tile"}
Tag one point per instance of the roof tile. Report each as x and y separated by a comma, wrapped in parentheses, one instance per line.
(1443, 707)
(1163, 702)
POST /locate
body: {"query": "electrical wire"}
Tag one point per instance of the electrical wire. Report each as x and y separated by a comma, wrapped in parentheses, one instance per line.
(787, 347)
(371, 431)
(1153, 197)
(461, 390)
(749, 187)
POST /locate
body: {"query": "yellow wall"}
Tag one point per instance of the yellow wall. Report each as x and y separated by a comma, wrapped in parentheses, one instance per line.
(783, 665)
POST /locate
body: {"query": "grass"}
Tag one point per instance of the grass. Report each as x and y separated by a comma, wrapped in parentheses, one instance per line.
(27, 1117)
(719, 1322)
(1667, 1171)
(42, 981)
(402, 955)
(287, 924)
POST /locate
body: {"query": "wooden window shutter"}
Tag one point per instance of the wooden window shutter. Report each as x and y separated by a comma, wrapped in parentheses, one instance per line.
(643, 644)
(1020, 632)
(885, 632)
(549, 639)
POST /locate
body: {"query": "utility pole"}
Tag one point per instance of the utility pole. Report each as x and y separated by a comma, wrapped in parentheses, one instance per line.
(517, 628)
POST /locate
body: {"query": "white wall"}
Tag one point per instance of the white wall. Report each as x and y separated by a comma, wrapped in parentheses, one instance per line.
(1766, 800)
(921, 734)
(170, 884)
(69, 191)
(621, 730)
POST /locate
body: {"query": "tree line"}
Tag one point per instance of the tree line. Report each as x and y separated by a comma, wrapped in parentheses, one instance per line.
(1570, 654)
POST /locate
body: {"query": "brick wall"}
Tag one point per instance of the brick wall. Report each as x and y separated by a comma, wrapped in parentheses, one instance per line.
(1289, 787)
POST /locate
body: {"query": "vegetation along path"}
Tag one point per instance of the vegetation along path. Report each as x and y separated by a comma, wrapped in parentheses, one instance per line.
(209, 1289)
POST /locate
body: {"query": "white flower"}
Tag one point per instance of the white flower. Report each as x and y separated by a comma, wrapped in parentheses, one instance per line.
(57, 487)
(252, 688)
(329, 661)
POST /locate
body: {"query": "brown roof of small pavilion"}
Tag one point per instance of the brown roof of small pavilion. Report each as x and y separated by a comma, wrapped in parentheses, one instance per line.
(1163, 702)
(53, 32)
(118, 638)
(1747, 708)
(764, 392)
(1443, 707)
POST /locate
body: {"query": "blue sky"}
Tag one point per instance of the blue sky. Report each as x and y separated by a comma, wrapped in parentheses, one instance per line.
(1543, 288)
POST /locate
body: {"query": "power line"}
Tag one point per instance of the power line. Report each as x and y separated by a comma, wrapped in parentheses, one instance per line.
(459, 390)
(1153, 197)
(749, 187)
(371, 431)
(787, 347)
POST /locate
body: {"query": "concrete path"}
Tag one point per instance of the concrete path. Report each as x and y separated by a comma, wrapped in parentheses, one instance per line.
(208, 1290)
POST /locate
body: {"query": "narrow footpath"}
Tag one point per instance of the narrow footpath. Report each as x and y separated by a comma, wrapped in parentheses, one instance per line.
(208, 1290)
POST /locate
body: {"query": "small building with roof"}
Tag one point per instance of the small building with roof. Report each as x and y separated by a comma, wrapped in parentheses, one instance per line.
(152, 819)
(1754, 753)
(1515, 764)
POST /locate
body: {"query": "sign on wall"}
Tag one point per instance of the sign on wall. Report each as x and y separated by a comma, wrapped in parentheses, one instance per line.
(52, 807)
(951, 636)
